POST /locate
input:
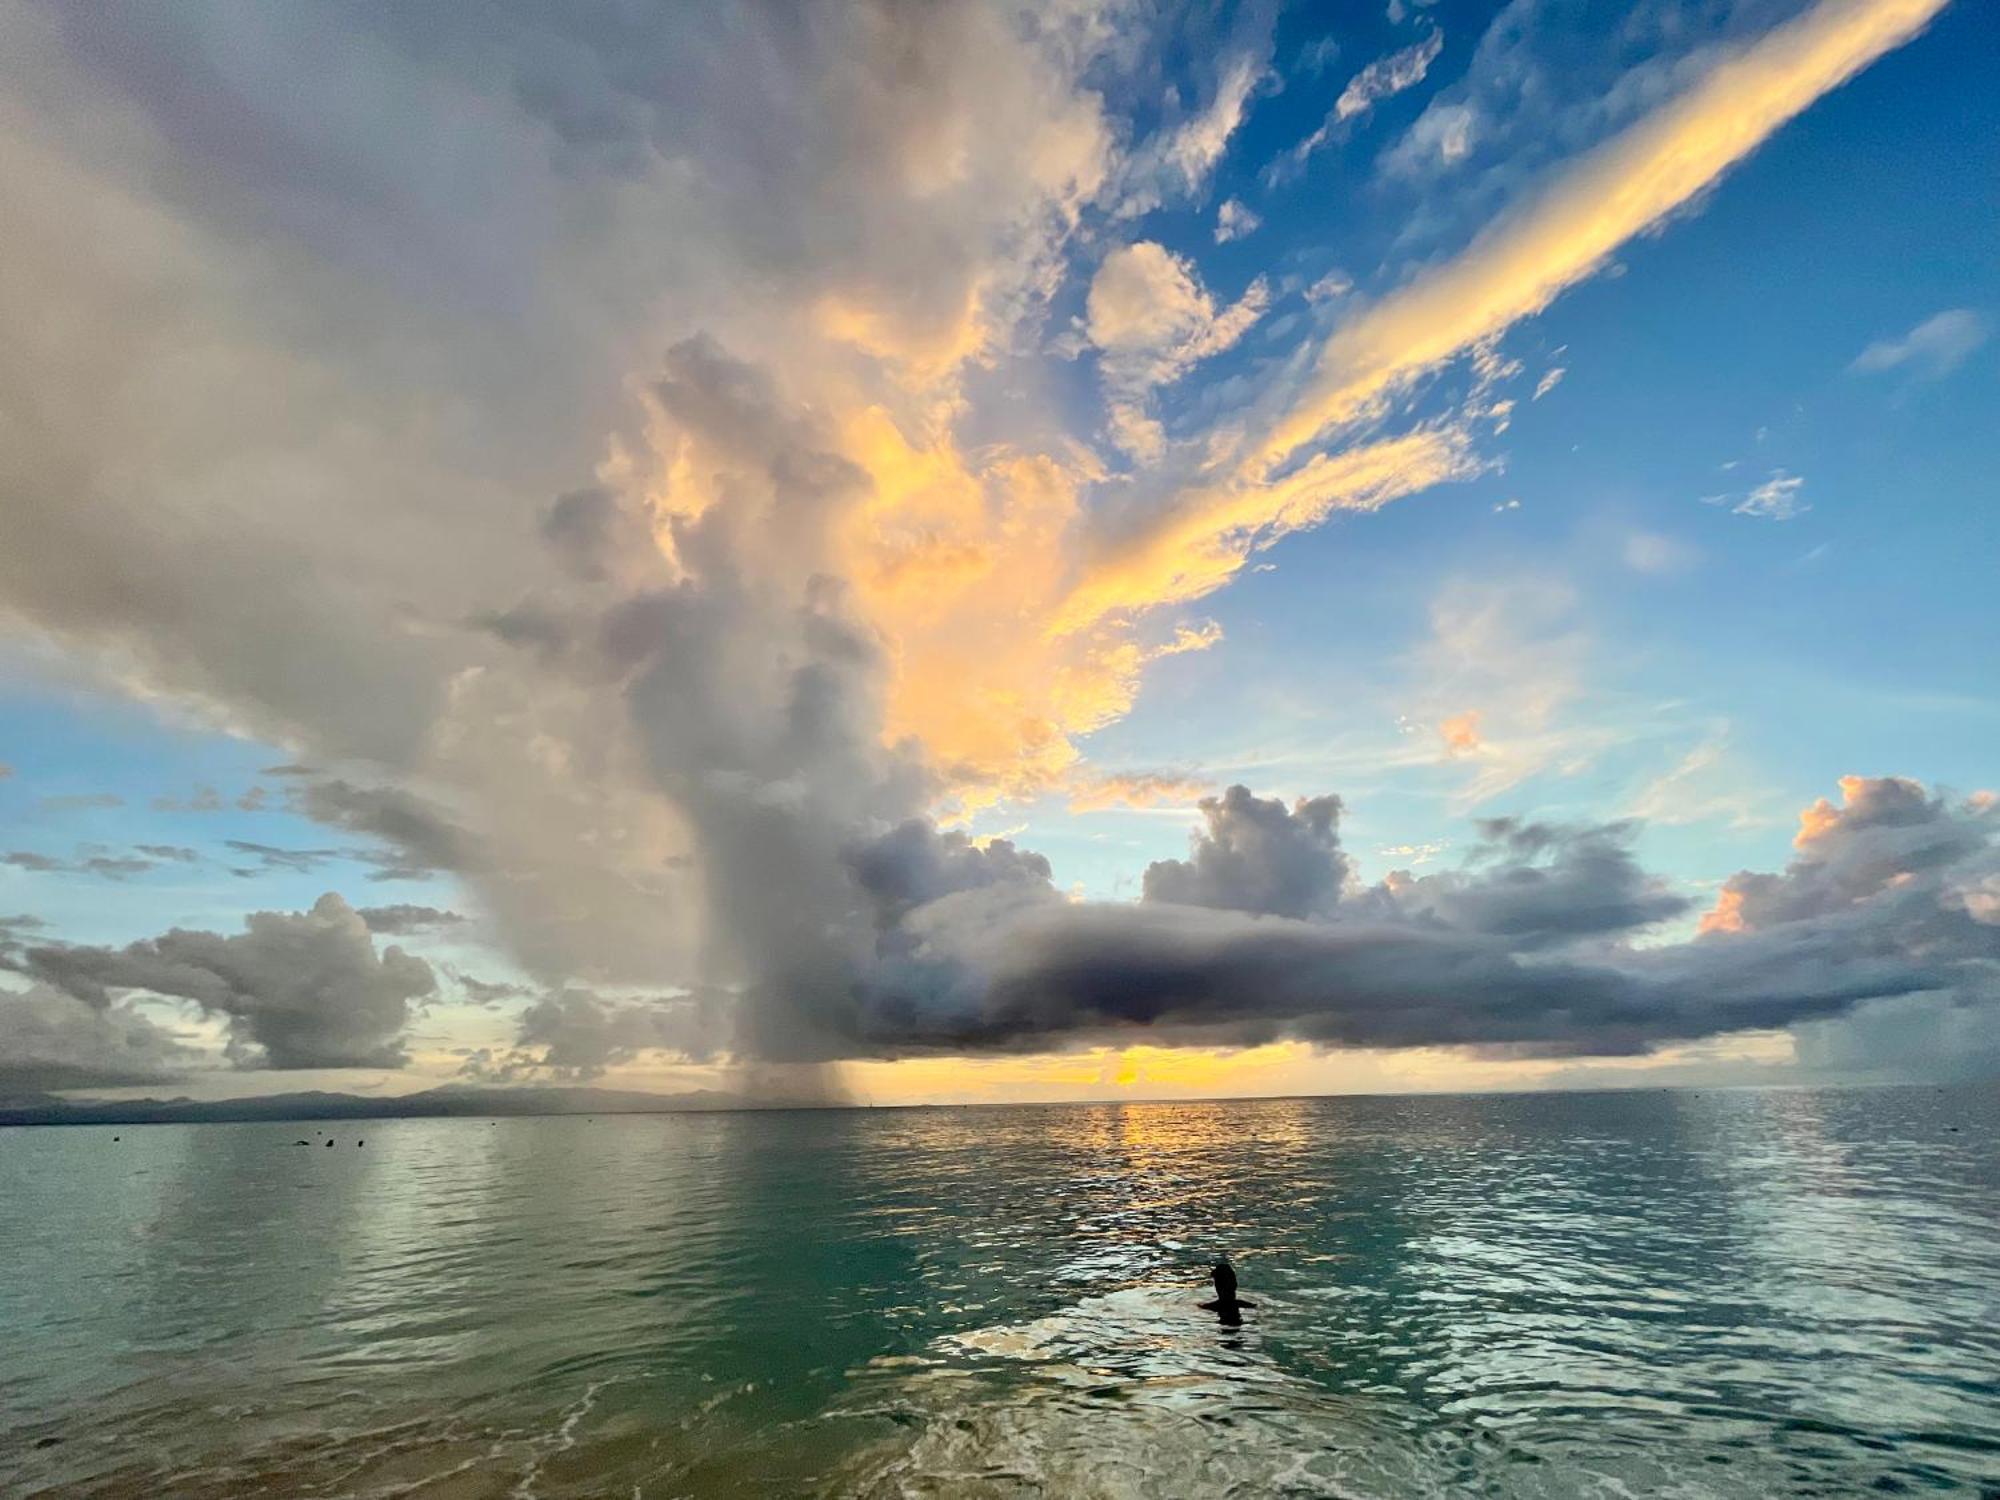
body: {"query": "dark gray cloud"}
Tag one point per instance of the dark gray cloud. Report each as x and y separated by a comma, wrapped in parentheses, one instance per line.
(526, 626)
(488, 991)
(1528, 949)
(272, 857)
(1538, 884)
(96, 860)
(595, 535)
(13, 930)
(421, 837)
(1889, 834)
(403, 918)
(914, 863)
(1256, 855)
(298, 989)
(50, 1040)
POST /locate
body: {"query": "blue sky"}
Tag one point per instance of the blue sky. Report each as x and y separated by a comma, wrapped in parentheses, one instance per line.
(879, 397)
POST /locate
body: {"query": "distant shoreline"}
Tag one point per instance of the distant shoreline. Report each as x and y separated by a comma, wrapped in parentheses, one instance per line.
(451, 1103)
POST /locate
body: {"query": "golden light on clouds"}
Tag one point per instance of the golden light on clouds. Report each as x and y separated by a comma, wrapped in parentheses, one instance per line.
(1460, 733)
(1619, 190)
(1203, 540)
(1016, 621)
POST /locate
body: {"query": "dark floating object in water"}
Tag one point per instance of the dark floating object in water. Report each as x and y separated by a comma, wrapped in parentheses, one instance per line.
(1227, 1305)
(359, 1144)
(118, 1138)
(329, 1143)
(50, 1442)
(301, 1143)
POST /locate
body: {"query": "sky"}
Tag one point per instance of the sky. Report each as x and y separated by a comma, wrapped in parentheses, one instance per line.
(923, 553)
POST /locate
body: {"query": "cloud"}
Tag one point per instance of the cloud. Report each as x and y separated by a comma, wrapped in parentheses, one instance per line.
(1688, 792)
(1387, 76)
(98, 861)
(52, 1040)
(1152, 321)
(1255, 855)
(357, 441)
(1620, 189)
(1097, 792)
(1887, 838)
(423, 836)
(1527, 949)
(1178, 161)
(272, 857)
(401, 919)
(1381, 79)
(81, 801)
(1512, 270)
(1151, 316)
(1930, 351)
(1650, 552)
(297, 989)
(1776, 499)
(1233, 221)
(1460, 732)
(574, 1035)
(1540, 884)
(1888, 886)
(1498, 675)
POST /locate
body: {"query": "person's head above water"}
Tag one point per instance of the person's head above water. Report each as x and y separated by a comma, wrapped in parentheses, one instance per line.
(1225, 1280)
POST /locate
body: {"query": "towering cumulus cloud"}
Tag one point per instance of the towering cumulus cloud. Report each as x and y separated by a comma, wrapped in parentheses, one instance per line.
(622, 458)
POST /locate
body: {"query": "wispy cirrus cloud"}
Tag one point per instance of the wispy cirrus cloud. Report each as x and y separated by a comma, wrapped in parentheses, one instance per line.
(1381, 79)
(1778, 498)
(1931, 350)
(1617, 190)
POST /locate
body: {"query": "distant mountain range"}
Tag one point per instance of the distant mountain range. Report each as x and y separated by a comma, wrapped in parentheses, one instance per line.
(451, 1101)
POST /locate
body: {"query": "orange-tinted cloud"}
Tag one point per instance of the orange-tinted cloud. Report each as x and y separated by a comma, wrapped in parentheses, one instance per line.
(1135, 789)
(1460, 733)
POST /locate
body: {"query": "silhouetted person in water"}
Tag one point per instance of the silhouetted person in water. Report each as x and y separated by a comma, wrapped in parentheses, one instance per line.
(1227, 1305)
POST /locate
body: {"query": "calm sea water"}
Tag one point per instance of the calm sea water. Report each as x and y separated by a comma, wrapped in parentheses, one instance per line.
(1673, 1294)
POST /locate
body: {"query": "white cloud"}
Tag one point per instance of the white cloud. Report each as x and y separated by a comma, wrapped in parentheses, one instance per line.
(1233, 221)
(1381, 79)
(1388, 76)
(1152, 319)
(1651, 552)
(1776, 499)
(1930, 351)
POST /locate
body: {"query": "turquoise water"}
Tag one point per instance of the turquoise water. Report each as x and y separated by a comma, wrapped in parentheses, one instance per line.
(1777, 1293)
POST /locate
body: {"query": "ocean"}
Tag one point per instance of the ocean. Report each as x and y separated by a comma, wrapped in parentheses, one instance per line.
(1635, 1294)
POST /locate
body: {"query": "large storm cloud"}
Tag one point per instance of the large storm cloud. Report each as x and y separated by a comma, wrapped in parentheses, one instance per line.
(588, 503)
